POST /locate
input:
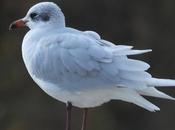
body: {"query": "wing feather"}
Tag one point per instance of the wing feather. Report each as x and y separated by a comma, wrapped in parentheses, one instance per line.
(99, 54)
(69, 62)
(82, 58)
(82, 55)
(131, 65)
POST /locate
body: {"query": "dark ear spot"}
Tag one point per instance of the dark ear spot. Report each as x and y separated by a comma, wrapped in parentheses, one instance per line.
(45, 17)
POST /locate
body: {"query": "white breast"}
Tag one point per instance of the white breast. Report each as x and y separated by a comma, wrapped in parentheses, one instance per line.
(82, 99)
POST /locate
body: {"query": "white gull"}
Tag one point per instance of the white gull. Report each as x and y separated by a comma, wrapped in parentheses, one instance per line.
(81, 68)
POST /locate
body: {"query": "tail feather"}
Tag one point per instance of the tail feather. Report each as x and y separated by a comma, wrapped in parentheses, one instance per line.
(133, 79)
(151, 91)
(132, 96)
(160, 82)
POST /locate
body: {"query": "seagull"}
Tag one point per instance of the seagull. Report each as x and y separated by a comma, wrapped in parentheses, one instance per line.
(81, 69)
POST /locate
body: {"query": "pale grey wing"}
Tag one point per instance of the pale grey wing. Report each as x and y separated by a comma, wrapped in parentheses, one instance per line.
(82, 60)
(69, 58)
(72, 57)
(52, 61)
(121, 70)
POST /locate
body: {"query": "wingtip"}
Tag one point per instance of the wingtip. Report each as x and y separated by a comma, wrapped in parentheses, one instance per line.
(149, 50)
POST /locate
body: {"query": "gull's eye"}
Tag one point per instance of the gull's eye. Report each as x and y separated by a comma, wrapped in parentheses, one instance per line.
(33, 15)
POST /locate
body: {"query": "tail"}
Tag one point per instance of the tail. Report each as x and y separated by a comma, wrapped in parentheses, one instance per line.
(141, 83)
(132, 96)
(133, 79)
(151, 91)
(160, 82)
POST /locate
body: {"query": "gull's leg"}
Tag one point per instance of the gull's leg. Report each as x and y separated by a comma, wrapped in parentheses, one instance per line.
(68, 115)
(85, 111)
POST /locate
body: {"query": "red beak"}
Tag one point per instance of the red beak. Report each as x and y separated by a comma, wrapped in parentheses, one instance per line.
(17, 24)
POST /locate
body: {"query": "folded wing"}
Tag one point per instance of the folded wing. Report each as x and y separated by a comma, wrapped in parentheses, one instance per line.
(90, 62)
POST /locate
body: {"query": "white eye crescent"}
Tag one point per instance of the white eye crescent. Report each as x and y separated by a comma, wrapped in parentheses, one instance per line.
(33, 15)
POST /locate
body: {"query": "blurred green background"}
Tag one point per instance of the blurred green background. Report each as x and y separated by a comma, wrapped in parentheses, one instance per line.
(141, 23)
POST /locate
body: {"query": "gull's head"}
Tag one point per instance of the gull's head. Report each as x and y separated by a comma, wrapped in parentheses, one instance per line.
(41, 15)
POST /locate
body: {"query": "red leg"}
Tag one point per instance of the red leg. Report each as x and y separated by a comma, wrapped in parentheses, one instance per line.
(68, 115)
(85, 111)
